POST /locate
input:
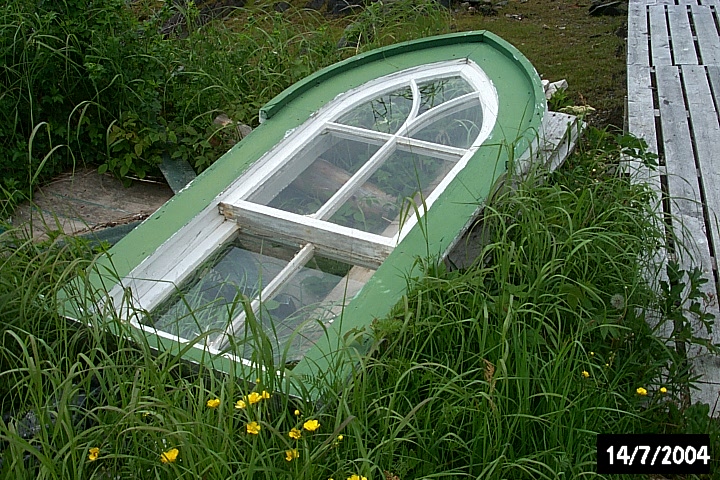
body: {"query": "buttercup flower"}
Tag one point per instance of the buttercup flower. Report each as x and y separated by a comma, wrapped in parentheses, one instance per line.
(295, 434)
(340, 438)
(356, 477)
(254, 397)
(291, 455)
(585, 374)
(265, 394)
(170, 456)
(592, 354)
(641, 391)
(311, 425)
(252, 428)
(94, 454)
(213, 403)
(297, 412)
(240, 404)
(663, 390)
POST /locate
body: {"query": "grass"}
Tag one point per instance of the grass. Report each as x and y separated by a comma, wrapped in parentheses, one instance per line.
(506, 369)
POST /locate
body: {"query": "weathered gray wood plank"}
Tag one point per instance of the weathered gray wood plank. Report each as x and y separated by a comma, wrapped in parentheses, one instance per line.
(688, 220)
(708, 42)
(707, 35)
(640, 108)
(683, 45)
(706, 131)
(641, 123)
(638, 50)
(659, 41)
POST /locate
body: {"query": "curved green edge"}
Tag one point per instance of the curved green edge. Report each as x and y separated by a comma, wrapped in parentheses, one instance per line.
(522, 105)
(312, 81)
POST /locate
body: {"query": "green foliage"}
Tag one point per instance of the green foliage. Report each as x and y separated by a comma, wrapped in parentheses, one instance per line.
(477, 374)
(113, 92)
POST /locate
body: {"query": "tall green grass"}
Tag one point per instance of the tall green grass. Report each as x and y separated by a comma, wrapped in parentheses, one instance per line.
(506, 369)
(94, 81)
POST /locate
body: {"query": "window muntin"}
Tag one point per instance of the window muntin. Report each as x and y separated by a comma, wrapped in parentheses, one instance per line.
(248, 201)
(329, 160)
(456, 126)
(380, 203)
(295, 318)
(213, 292)
(338, 180)
(290, 292)
(385, 113)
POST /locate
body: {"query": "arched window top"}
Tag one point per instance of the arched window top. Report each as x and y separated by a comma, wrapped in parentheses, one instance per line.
(372, 154)
(315, 216)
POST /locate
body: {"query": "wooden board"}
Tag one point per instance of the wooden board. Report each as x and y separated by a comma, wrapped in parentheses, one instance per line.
(660, 44)
(707, 35)
(672, 105)
(683, 44)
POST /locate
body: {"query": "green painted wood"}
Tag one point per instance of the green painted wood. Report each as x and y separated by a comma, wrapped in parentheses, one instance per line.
(521, 107)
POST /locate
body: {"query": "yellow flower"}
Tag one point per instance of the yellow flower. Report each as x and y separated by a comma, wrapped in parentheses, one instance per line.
(311, 425)
(295, 434)
(641, 391)
(253, 428)
(663, 390)
(240, 404)
(297, 412)
(265, 394)
(592, 354)
(94, 454)
(213, 403)
(585, 374)
(170, 456)
(356, 477)
(254, 397)
(291, 455)
(340, 438)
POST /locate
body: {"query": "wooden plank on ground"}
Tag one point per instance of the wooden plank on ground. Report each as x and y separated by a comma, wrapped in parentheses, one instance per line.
(707, 35)
(688, 220)
(637, 35)
(659, 42)
(706, 131)
(641, 123)
(683, 44)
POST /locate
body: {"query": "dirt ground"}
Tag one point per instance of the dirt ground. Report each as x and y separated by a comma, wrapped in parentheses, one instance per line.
(562, 40)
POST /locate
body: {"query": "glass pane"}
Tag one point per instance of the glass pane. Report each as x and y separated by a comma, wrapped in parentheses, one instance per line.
(435, 92)
(457, 127)
(313, 175)
(211, 297)
(378, 205)
(294, 319)
(385, 113)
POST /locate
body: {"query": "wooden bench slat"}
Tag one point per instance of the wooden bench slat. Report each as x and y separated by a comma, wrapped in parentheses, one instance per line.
(659, 42)
(707, 35)
(683, 45)
(638, 50)
(688, 220)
